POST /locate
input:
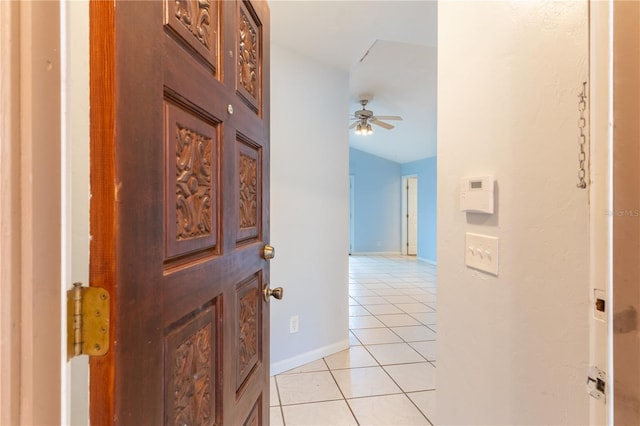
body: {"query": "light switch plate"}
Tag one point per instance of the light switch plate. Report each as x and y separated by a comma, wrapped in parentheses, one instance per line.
(481, 252)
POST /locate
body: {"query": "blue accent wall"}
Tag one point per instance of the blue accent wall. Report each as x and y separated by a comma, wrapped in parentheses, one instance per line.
(377, 184)
(426, 170)
(378, 199)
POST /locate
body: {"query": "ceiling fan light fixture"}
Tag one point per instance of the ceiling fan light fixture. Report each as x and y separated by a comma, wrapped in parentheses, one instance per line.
(365, 118)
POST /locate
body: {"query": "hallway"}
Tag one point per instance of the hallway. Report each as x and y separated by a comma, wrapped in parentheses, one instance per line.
(387, 377)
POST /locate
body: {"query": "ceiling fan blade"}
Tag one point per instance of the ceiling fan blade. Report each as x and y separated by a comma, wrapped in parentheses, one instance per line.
(388, 117)
(382, 124)
(354, 124)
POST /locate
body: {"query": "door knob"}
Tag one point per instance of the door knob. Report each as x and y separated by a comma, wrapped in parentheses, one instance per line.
(276, 292)
(269, 252)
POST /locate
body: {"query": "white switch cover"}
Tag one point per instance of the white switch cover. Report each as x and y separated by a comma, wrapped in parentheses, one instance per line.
(481, 252)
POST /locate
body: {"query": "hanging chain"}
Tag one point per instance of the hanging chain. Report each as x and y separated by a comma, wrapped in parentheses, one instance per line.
(582, 139)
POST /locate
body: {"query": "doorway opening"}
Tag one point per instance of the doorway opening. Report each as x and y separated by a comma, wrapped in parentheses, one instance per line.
(409, 214)
(352, 213)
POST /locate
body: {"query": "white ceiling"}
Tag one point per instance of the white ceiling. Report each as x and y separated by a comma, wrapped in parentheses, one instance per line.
(399, 69)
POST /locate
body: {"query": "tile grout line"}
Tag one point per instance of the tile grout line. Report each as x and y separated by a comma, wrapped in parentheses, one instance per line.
(407, 396)
(284, 423)
(376, 268)
(418, 408)
(397, 384)
(344, 398)
(402, 391)
(389, 375)
(409, 344)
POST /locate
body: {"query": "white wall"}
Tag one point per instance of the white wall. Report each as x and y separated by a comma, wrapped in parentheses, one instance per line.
(513, 349)
(309, 208)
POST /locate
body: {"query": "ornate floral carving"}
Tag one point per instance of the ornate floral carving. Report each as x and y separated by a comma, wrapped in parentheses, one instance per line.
(248, 192)
(193, 184)
(248, 56)
(192, 380)
(194, 15)
(248, 338)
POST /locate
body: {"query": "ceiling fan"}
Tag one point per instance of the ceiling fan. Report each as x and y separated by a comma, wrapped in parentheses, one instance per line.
(364, 118)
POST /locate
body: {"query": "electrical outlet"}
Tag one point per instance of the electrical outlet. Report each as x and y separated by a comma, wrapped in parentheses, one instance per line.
(294, 324)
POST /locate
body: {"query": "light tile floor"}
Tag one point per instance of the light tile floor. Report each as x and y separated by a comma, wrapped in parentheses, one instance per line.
(387, 376)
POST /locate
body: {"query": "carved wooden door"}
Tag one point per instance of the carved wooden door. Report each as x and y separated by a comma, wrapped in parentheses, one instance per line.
(179, 210)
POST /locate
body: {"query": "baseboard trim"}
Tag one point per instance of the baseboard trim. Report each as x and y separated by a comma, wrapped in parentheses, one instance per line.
(376, 253)
(307, 357)
(430, 262)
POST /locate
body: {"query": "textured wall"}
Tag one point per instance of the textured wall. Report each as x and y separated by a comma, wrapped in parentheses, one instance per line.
(513, 349)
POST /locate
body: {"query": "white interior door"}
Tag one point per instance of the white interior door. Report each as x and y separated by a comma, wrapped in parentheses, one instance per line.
(352, 222)
(412, 216)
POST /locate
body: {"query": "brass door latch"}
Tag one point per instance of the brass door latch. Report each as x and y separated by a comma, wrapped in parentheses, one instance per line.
(268, 252)
(276, 292)
(88, 316)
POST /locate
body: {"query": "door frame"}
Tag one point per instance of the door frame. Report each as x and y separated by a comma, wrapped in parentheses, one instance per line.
(600, 196)
(613, 202)
(352, 213)
(10, 247)
(403, 214)
(32, 251)
(75, 135)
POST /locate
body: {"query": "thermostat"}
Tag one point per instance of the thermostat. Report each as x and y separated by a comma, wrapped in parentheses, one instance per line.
(476, 194)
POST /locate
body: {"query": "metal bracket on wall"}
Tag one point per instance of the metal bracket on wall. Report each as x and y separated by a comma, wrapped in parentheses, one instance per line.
(88, 316)
(597, 384)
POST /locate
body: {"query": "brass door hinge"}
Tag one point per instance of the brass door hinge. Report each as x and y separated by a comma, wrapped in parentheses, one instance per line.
(87, 321)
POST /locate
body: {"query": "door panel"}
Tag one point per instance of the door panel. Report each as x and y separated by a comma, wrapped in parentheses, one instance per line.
(249, 178)
(191, 369)
(192, 193)
(249, 69)
(195, 25)
(179, 213)
(248, 330)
